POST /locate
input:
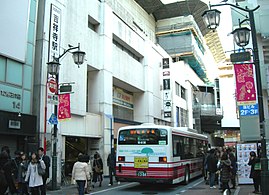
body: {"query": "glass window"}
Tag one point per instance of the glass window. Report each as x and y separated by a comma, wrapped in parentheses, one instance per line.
(183, 93)
(143, 137)
(14, 72)
(2, 68)
(27, 77)
(177, 89)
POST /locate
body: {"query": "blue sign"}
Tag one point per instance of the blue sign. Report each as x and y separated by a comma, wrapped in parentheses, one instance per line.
(53, 119)
(249, 110)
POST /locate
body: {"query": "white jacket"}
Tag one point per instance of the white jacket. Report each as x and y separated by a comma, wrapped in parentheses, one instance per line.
(80, 171)
(32, 174)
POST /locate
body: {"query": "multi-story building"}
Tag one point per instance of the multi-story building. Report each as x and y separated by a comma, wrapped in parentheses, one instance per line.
(130, 75)
(18, 128)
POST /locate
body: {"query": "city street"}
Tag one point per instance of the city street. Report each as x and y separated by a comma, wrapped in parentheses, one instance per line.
(194, 187)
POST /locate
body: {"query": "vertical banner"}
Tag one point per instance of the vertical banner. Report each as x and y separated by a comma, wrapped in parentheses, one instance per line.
(64, 107)
(54, 32)
(245, 85)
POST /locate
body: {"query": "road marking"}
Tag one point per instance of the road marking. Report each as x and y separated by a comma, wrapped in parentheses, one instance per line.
(237, 190)
(113, 188)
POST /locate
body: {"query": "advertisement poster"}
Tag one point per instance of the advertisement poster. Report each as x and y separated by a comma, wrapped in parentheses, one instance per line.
(243, 171)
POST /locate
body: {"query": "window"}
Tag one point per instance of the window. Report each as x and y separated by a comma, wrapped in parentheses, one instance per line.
(130, 53)
(183, 118)
(143, 137)
(93, 24)
(178, 147)
(183, 93)
(177, 89)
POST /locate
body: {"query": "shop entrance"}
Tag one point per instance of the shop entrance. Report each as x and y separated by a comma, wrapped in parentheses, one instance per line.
(73, 146)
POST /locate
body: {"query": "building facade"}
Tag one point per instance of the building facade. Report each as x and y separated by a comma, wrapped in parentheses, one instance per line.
(18, 128)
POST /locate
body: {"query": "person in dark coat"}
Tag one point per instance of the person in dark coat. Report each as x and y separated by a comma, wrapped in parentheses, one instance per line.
(255, 174)
(111, 163)
(97, 168)
(225, 172)
(233, 169)
(212, 167)
(22, 170)
(46, 160)
(8, 167)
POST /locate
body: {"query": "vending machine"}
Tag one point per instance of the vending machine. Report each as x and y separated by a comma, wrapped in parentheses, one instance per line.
(243, 172)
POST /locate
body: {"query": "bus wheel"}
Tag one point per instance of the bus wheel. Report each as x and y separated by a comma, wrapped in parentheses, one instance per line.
(187, 175)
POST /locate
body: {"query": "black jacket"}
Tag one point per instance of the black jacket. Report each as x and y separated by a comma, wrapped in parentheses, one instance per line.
(212, 162)
(46, 160)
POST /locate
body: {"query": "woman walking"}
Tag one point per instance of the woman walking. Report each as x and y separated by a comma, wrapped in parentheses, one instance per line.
(32, 176)
(22, 170)
(225, 172)
(81, 174)
(97, 169)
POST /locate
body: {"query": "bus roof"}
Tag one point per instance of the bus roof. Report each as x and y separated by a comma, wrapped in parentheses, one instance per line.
(176, 130)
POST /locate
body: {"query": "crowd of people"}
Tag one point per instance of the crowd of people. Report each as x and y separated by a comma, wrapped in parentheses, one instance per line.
(221, 169)
(20, 175)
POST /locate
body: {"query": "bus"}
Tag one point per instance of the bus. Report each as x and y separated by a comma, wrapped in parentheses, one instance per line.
(151, 153)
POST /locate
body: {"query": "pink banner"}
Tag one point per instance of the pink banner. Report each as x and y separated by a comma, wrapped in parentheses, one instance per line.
(64, 107)
(245, 84)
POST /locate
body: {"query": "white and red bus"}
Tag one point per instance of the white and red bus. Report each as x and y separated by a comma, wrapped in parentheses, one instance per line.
(151, 153)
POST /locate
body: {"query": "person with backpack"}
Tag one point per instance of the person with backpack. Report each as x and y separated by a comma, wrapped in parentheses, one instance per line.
(33, 176)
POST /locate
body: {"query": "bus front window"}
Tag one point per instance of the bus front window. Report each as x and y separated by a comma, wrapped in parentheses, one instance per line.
(143, 137)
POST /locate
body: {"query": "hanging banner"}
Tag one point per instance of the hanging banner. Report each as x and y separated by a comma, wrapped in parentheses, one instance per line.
(64, 106)
(245, 85)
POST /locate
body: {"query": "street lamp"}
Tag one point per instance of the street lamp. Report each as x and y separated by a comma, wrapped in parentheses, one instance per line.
(53, 69)
(240, 36)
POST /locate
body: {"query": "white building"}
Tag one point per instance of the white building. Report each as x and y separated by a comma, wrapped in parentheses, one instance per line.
(122, 81)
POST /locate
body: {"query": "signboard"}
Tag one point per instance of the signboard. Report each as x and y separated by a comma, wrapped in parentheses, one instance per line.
(52, 99)
(55, 32)
(122, 98)
(243, 172)
(249, 110)
(240, 57)
(64, 111)
(10, 98)
(53, 119)
(52, 85)
(245, 85)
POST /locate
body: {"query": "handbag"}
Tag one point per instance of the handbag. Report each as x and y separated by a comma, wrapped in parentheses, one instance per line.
(257, 166)
(40, 170)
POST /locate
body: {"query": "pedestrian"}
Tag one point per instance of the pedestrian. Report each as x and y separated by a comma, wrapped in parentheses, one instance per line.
(46, 160)
(234, 169)
(88, 185)
(212, 167)
(111, 163)
(3, 175)
(81, 174)
(8, 168)
(97, 169)
(255, 171)
(225, 172)
(22, 170)
(33, 178)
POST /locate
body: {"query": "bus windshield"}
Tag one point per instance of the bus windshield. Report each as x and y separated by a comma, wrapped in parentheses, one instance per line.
(144, 136)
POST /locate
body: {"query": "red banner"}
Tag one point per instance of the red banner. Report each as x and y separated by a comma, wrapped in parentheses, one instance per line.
(64, 107)
(245, 84)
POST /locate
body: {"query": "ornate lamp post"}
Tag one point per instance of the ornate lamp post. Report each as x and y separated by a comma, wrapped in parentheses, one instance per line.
(53, 69)
(241, 37)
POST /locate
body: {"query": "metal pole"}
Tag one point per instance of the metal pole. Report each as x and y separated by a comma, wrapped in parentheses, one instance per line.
(264, 160)
(55, 132)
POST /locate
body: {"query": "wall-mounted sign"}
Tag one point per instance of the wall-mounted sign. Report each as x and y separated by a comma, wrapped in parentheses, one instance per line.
(64, 111)
(55, 32)
(249, 110)
(10, 98)
(165, 63)
(166, 84)
(122, 98)
(14, 124)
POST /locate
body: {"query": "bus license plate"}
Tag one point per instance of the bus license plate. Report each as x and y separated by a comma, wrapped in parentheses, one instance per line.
(141, 173)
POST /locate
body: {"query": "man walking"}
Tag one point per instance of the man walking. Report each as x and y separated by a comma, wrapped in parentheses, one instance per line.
(212, 167)
(111, 163)
(46, 160)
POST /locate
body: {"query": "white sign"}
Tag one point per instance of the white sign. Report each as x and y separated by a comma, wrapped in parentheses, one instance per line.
(10, 98)
(53, 99)
(55, 32)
